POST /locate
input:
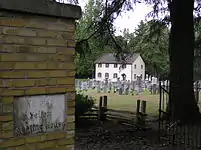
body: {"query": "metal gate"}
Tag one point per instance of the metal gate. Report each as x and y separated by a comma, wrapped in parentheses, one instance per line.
(171, 131)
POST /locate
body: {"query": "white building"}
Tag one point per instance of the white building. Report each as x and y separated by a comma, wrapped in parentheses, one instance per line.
(107, 66)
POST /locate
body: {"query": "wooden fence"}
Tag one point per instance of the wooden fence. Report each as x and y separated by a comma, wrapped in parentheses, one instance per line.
(103, 113)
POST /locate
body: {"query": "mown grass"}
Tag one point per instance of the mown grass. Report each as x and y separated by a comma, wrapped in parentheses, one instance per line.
(128, 102)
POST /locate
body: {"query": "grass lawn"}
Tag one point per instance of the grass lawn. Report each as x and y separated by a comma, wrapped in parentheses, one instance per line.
(128, 102)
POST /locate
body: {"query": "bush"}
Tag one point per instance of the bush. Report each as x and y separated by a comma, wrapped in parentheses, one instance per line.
(83, 105)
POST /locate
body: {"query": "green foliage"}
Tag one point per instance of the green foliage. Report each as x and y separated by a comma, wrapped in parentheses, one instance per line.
(151, 41)
(83, 105)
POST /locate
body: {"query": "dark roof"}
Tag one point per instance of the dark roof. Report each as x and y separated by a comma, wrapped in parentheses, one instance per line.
(111, 59)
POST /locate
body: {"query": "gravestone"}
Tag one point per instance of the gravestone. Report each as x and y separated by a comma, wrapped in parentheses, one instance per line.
(120, 90)
(98, 87)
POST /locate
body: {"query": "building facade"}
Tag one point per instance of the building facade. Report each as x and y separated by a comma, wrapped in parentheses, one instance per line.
(108, 67)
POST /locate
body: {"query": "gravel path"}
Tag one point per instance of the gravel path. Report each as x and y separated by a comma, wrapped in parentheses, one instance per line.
(111, 136)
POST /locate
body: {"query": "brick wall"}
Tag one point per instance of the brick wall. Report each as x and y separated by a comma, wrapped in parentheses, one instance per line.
(36, 57)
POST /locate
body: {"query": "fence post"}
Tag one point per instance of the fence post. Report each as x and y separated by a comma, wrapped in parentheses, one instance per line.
(143, 111)
(138, 113)
(104, 107)
(100, 108)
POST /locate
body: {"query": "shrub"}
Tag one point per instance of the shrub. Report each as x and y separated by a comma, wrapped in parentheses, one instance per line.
(83, 105)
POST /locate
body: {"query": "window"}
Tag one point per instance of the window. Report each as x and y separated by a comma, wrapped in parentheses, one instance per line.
(135, 66)
(99, 65)
(107, 65)
(123, 66)
(115, 65)
(134, 76)
(115, 75)
(99, 75)
(141, 66)
(106, 75)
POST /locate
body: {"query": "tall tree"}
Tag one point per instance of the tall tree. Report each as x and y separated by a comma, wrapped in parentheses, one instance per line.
(152, 47)
(181, 50)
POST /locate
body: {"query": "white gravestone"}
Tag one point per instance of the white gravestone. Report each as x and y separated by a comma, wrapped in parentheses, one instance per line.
(39, 114)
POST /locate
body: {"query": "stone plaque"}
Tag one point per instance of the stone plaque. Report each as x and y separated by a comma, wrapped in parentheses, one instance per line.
(39, 114)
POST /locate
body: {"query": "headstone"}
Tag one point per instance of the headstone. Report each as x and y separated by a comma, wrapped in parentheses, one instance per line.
(121, 90)
(98, 87)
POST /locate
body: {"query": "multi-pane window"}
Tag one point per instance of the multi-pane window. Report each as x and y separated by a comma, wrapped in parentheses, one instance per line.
(115, 75)
(99, 75)
(135, 66)
(99, 65)
(115, 65)
(141, 66)
(106, 75)
(107, 65)
(123, 66)
(134, 76)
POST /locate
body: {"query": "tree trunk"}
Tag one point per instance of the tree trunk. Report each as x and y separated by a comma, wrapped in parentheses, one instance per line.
(182, 99)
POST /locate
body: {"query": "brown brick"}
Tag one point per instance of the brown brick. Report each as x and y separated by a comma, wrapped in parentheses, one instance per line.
(7, 125)
(56, 89)
(41, 82)
(68, 35)
(33, 139)
(8, 30)
(12, 40)
(70, 89)
(69, 141)
(49, 144)
(56, 135)
(47, 50)
(7, 48)
(6, 83)
(7, 108)
(46, 33)
(52, 81)
(71, 96)
(66, 66)
(25, 32)
(6, 134)
(8, 65)
(6, 118)
(35, 90)
(12, 142)
(7, 100)
(10, 92)
(36, 41)
(23, 82)
(12, 74)
(71, 103)
(71, 43)
(12, 57)
(71, 73)
(65, 81)
(41, 65)
(70, 118)
(56, 42)
(36, 74)
(25, 65)
(56, 73)
(70, 147)
(12, 22)
(71, 110)
(70, 126)
(26, 147)
(66, 51)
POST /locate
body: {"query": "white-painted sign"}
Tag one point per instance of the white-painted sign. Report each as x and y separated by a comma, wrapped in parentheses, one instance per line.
(39, 114)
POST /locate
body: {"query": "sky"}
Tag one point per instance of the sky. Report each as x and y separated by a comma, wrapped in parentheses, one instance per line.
(127, 20)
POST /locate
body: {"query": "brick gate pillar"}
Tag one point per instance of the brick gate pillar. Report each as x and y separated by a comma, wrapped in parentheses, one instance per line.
(37, 74)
